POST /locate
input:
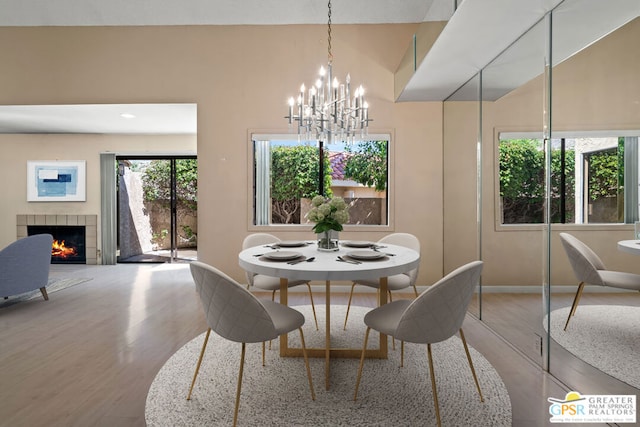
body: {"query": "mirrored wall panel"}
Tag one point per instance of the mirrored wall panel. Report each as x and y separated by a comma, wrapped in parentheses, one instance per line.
(513, 192)
(594, 197)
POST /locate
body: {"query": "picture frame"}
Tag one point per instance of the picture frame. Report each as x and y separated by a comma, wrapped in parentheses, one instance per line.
(56, 180)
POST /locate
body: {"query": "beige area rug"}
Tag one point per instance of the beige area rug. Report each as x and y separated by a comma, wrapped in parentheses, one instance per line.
(54, 285)
(278, 394)
(605, 336)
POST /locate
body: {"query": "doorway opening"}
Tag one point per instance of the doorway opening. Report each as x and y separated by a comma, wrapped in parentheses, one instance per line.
(157, 209)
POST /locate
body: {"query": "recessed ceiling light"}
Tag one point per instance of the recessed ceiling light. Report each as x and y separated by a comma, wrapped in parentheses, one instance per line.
(127, 116)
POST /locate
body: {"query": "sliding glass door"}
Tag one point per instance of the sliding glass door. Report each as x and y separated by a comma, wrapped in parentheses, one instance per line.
(157, 208)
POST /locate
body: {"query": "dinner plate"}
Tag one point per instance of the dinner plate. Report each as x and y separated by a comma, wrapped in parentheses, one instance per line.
(357, 243)
(291, 243)
(282, 255)
(365, 255)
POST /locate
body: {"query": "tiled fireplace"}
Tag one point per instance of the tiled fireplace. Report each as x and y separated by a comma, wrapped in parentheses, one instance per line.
(66, 222)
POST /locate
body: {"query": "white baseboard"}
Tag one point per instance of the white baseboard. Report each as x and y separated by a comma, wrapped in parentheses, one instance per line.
(558, 289)
(517, 289)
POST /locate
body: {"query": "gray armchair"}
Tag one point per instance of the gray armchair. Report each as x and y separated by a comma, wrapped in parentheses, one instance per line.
(24, 265)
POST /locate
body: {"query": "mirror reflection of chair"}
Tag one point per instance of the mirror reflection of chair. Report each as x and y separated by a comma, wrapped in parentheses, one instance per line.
(237, 315)
(395, 282)
(435, 316)
(269, 283)
(589, 269)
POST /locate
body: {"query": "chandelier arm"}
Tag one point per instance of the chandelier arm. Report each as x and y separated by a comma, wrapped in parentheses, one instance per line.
(329, 108)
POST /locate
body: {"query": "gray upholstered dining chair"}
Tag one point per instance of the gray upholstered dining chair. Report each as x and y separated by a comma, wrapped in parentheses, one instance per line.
(435, 316)
(589, 269)
(236, 314)
(269, 283)
(395, 282)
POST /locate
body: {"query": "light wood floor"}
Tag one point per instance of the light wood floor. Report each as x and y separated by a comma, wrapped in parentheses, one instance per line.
(88, 355)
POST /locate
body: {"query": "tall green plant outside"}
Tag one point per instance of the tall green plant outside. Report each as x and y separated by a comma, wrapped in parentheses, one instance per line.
(156, 181)
(294, 176)
(522, 181)
(367, 164)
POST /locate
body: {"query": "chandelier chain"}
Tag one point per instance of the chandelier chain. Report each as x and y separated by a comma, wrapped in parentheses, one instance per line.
(329, 54)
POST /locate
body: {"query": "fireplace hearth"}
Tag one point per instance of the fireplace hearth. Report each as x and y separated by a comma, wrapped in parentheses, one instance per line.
(69, 242)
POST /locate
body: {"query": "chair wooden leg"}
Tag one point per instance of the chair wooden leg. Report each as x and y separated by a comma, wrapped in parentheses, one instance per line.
(473, 371)
(43, 291)
(415, 290)
(204, 345)
(313, 307)
(364, 349)
(235, 412)
(306, 362)
(348, 307)
(574, 306)
(433, 385)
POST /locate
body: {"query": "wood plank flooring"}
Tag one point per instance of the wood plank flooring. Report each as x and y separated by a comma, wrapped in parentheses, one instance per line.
(88, 355)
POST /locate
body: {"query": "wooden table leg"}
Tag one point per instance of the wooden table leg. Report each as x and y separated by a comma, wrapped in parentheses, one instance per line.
(284, 299)
(327, 340)
(285, 351)
(383, 300)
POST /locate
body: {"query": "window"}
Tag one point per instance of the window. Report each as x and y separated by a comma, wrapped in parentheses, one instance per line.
(588, 175)
(286, 176)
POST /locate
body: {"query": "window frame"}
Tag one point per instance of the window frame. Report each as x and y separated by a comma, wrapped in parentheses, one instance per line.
(266, 134)
(530, 133)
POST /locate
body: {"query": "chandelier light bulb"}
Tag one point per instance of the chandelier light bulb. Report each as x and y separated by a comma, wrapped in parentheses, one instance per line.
(330, 110)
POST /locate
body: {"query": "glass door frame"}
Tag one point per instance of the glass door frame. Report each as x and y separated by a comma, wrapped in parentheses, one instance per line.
(173, 188)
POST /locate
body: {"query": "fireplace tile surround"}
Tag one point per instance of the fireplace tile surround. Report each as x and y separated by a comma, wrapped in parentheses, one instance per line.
(89, 221)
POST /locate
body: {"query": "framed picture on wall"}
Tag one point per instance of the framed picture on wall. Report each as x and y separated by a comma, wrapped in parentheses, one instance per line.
(56, 181)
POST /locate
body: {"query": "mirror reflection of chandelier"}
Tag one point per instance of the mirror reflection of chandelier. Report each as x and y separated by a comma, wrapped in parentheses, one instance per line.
(330, 109)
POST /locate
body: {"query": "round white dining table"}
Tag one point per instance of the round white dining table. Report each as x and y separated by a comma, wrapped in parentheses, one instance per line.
(326, 267)
(630, 246)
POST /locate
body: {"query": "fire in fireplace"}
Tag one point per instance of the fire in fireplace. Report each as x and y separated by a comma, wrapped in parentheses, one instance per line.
(69, 242)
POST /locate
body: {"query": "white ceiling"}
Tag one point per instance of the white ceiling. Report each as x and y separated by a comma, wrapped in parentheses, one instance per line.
(218, 12)
(100, 118)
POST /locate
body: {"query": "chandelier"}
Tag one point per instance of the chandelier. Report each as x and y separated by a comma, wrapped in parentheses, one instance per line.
(328, 108)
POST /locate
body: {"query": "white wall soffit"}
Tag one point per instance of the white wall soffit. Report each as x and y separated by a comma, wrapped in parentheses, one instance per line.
(474, 36)
(476, 33)
(99, 119)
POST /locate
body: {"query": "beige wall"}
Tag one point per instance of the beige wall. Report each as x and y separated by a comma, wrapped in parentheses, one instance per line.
(18, 149)
(597, 89)
(240, 78)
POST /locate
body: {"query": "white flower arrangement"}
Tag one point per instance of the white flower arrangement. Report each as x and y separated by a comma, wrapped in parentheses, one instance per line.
(328, 214)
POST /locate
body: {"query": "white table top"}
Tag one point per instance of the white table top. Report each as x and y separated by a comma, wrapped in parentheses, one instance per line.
(325, 267)
(630, 246)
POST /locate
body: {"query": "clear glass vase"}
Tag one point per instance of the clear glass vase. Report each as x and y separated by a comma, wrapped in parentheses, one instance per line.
(328, 241)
